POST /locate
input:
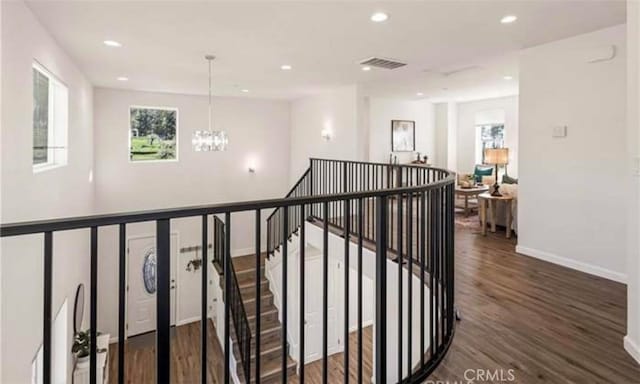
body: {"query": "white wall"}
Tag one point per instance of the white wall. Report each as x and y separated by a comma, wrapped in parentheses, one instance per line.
(632, 340)
(571, 205)
(441, 127)
(339, 110)
(59, 192)
(469, 114)
(382, 111)
(257, 129)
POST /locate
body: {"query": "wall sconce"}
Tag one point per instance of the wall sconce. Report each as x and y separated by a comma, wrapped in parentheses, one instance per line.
(327, 130)
(326, 134)
(251, 165)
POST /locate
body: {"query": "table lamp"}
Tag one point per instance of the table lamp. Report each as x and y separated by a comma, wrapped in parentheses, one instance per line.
(496, 156)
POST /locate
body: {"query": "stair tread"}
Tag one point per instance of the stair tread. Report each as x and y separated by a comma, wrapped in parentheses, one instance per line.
(264, 331)
(270, 369)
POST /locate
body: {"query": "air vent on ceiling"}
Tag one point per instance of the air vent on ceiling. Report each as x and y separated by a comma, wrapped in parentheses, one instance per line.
(382, 63)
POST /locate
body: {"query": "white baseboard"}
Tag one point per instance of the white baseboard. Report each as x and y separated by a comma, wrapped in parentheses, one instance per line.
(245, 251)
(632, 348)
(573, 264)
(188, 320)
(365, 323)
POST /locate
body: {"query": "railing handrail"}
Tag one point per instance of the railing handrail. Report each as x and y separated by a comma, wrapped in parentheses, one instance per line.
(325, 191)
(240, 322)
(405, 165)
(83, 222)
(288, 195)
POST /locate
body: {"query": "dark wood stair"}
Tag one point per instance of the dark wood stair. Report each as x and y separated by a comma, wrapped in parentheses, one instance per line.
(270, 326)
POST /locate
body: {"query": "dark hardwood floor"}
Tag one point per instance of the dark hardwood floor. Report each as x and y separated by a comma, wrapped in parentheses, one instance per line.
(546, 323)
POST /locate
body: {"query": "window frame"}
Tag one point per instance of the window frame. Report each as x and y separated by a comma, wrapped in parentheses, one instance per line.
(479, 151)
(163, 108)
(57, 121)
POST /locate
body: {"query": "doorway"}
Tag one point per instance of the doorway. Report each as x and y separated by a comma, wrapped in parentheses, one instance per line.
(313, 308)
(141, 283)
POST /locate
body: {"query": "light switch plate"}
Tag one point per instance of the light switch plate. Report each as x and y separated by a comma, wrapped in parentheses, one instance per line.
(560, 131)
(636, 166)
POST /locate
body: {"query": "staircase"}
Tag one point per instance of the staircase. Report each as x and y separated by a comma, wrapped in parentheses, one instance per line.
(270, 327)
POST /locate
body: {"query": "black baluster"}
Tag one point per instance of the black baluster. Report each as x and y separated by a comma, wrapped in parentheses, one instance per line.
(227, 296)
(347, 229)
(285, 314)
(302, 293)
(325, 294)
(423, 239)
(163, 301)
(360, 241)
(46, 307)
(93, 321)
(258, 296)
(399, 259)
(381, 290)
(409, 280)
(204, 287)
(122, 287)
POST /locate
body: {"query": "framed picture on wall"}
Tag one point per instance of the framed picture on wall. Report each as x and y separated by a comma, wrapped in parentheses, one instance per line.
(403, 135)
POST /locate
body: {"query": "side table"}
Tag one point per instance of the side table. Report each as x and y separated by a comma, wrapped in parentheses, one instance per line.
(485, 199)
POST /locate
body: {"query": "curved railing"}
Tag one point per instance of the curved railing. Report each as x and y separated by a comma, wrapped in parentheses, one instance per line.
(403, 213)
(416, 220)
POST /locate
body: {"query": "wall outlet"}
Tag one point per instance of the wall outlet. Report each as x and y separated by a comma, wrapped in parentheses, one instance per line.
(560, 131)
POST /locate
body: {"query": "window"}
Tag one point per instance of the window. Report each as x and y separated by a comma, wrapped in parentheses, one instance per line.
(491, 136)
(50, 120)
(153, 134)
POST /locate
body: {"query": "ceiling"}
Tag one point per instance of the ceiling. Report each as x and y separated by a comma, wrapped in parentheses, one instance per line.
(164, 43)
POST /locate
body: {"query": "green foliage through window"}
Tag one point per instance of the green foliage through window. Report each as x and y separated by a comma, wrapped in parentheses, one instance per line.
(153, 134)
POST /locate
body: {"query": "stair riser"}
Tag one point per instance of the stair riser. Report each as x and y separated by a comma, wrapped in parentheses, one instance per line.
(267, 320)
(267, 341)
(250, 290)
(266, 304)
(248, 276)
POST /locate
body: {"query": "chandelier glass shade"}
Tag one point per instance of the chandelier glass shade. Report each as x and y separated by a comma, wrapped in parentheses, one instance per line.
(209, 140)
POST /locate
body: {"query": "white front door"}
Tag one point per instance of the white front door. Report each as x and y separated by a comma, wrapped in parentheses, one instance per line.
(141, 288)
(313, 308)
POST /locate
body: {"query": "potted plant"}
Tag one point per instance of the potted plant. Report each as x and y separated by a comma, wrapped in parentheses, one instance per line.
(82, 347)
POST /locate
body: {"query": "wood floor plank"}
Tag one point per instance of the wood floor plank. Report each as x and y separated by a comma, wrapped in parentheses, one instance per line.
(548, 323)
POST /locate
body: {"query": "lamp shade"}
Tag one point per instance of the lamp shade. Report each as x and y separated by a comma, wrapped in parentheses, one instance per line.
(497, 156)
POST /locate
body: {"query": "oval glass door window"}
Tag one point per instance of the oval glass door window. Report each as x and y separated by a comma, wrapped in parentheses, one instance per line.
(149, 271)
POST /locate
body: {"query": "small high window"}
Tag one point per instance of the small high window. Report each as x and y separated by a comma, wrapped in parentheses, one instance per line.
(153, 134)
(50, 120)
(490, 136)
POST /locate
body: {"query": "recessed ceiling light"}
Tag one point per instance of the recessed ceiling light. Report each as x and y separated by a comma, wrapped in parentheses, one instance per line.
(244, 90)
(379, 17)
(112, 43)
(508, 19)
(123, 78)
(366, 68)
(419, 94)
(285, 67)
(508, 77)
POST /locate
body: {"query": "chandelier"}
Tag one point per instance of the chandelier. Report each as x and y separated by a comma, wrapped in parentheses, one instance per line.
(209, 140)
